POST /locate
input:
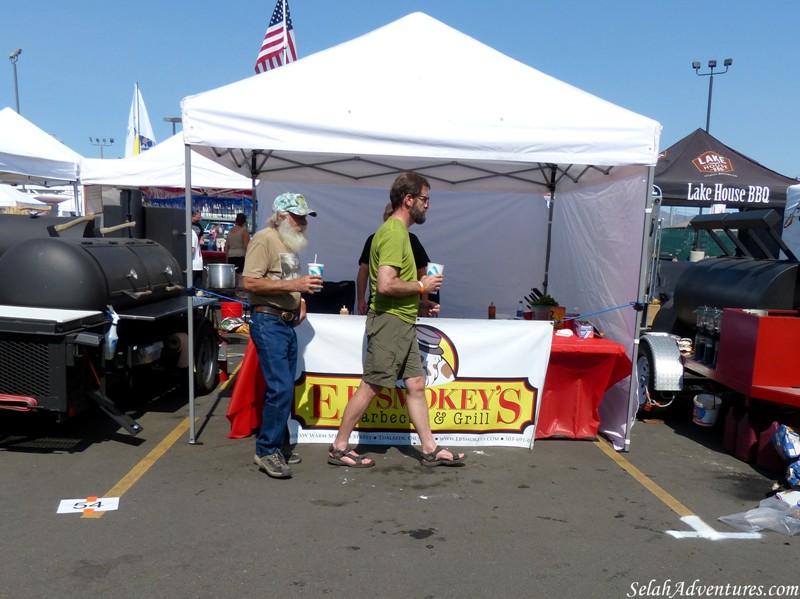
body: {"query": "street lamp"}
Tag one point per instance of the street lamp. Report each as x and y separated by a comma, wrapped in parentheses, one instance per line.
(173, 120)
(102, 142)
(14, 57)
(712, 64)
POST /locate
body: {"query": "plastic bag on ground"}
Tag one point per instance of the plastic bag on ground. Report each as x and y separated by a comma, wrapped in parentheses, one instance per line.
(785, 521)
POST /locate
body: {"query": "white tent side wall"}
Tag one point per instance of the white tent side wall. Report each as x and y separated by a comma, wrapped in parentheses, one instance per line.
(490, 255)
(597, 235)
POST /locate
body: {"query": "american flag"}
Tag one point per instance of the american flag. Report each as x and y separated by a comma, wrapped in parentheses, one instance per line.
(279, 34)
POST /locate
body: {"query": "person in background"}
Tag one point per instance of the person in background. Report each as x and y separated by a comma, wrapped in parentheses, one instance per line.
(273, 283)
(362, 278)
(236, 243)
(392, 346)
(197, 227)
(197, 249)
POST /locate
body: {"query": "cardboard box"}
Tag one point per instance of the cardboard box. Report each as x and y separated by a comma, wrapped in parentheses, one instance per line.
(583, 329)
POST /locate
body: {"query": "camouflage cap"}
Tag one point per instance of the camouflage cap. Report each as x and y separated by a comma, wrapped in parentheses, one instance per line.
(292, 202)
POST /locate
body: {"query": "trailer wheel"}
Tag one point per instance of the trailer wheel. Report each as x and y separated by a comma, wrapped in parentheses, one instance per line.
(645, 372)
(206, 374)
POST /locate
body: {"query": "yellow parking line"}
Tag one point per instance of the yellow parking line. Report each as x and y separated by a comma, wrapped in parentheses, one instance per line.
(151, 458)
(143, 466)
(672, 503)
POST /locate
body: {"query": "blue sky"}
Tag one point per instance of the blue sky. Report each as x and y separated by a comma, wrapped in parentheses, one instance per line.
(81, 59)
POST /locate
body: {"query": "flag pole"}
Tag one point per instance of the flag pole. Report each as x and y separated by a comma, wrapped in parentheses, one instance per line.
(136, 115)
(285, 31)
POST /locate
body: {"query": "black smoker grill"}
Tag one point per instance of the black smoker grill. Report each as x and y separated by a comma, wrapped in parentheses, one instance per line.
(54, 320)
(752, 276)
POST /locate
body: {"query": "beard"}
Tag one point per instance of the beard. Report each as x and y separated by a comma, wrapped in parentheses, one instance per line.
(294, 239)
(417, 214)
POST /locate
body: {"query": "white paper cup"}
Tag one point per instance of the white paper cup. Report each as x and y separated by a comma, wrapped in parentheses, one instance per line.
(315, 268)
(434, 269)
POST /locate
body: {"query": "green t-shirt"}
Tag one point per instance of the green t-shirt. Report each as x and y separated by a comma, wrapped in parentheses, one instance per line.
(391, 247)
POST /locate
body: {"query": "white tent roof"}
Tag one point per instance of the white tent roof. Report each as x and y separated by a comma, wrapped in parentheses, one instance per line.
(161, 166)
(10, 196)
(30, 155)
(413, 95)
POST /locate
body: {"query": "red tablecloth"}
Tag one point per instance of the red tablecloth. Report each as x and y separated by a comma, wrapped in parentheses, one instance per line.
(578, 374)
(247, 399)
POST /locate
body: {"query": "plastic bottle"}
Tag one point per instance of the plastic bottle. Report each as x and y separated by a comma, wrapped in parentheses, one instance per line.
(110, 346)
(520, 310)
(492, 311)
(344, 311)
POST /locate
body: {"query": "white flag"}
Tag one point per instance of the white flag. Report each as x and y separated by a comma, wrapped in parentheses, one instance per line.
(140, 132)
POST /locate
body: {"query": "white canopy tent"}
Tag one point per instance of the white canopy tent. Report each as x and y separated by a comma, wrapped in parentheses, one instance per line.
(161, 166)
(532, 179)
(164, 166)
(10, 197)
(30, 155)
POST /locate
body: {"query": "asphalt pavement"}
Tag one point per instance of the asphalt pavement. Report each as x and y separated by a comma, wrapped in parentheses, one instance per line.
(569, 518)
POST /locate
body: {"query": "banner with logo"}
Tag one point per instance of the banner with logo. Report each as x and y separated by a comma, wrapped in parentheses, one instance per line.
(484, 382)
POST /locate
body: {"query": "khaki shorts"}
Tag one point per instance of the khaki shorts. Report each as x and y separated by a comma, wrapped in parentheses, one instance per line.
(392, 350)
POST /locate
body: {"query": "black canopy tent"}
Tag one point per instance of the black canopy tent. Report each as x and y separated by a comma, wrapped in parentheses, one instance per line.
(699, 170)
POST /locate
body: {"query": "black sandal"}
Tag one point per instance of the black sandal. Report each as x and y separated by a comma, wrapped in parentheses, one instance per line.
(359, 461)
(430, 460)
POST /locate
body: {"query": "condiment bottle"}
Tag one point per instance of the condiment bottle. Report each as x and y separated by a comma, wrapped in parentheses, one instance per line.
(492, 311)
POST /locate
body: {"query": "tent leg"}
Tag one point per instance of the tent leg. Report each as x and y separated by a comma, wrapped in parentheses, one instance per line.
(647, 229)
(189, 285)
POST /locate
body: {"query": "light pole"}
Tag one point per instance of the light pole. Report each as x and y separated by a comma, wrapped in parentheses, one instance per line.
(14, 57)
(712, 64)
(173, 120)
(102, 142)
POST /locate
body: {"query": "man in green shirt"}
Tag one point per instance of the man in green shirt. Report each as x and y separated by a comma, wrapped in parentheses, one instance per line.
(392, 348)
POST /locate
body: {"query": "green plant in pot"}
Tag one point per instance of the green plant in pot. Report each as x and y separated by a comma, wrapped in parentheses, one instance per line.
(543, 305)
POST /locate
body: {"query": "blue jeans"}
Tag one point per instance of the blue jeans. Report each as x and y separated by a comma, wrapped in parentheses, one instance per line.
(276, 343)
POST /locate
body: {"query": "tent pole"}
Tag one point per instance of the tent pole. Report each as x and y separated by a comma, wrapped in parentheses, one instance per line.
(253, 179)
(551, 185)
(189, 285)
(79, 208)
(647, 230)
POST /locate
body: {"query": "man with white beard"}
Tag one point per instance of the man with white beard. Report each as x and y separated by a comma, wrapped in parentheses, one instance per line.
(272, 279)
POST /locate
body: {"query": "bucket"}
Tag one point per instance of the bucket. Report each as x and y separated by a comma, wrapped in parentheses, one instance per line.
(696, 255)
(706, 408)
(230, 310)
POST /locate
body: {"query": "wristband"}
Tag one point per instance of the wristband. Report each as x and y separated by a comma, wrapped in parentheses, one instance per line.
(421, 287)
